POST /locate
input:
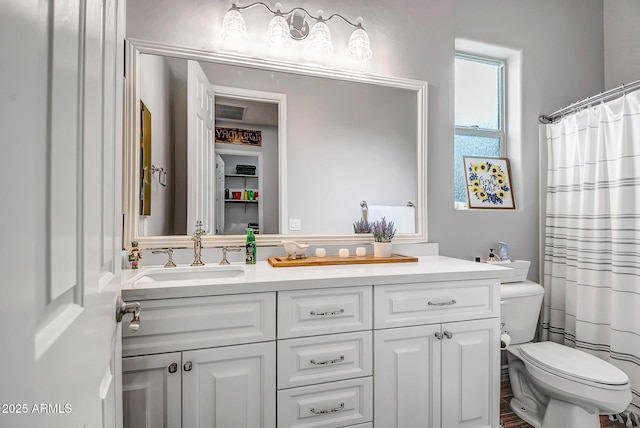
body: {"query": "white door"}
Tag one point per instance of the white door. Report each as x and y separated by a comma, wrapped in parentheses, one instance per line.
(470, 374)
(201, 150)
(220, 195)
(406, 363)
(61, 185)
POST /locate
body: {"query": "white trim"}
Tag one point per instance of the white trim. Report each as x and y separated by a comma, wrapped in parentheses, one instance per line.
(135, 47)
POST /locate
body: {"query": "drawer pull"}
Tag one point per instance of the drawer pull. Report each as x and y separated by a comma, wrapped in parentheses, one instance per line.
(325, 411)
(338, 312)
(321, 363)
(449, 303)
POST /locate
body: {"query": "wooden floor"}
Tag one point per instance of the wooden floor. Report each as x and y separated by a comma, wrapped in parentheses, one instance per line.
(510, 420)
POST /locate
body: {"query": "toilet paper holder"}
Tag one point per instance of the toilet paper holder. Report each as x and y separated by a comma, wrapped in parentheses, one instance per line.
(505, 339)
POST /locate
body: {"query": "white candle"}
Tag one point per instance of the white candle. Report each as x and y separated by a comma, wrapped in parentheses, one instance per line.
(361, 251)
(343, 252)
(320, 252)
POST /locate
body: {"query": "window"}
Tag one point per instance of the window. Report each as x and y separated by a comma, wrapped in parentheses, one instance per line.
(479, 114)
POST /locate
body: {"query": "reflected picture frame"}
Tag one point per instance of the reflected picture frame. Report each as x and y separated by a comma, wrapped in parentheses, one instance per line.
(488, 183)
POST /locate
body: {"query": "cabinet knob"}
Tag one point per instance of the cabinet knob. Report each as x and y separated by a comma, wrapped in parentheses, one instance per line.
(173, 367)
(448, 334)
(188, 366)
(438, 335)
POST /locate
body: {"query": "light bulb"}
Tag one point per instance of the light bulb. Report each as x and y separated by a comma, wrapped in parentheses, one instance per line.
(233, 26)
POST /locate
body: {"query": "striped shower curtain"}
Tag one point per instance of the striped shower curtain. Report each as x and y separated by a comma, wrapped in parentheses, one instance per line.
(592, 236)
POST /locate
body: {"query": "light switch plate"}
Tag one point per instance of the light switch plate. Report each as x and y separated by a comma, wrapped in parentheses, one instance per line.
(295, 224)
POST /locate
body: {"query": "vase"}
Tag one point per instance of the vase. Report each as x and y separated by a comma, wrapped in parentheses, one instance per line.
(382, 249)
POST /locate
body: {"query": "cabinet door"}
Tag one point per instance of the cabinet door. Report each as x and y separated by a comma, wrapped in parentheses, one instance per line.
(227, 387)
(151, 391)
(471, 374)
(407, 377)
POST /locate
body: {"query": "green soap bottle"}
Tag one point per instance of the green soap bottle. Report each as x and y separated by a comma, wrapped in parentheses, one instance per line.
(250, 248)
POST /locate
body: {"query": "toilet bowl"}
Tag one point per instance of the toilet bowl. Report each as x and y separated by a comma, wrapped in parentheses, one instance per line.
(553, 385)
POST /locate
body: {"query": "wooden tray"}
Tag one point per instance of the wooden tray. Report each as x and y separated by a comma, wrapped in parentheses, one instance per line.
(336, 260)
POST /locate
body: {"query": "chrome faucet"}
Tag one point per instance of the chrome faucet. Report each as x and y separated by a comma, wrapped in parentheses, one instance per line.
(197, 244)
(224, 260)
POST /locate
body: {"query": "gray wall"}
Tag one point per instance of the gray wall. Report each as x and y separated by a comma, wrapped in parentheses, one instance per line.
(621, 42)
(562, 54)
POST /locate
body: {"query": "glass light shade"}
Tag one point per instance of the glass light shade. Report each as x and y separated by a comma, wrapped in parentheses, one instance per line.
(278, 32)
(320, 37)
(233, 27)
(359, 47)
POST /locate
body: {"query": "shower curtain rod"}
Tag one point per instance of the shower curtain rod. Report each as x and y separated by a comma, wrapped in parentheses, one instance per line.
(601, 97)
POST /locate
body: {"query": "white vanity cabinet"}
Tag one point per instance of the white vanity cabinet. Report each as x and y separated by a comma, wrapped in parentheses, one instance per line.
(230, 382)
(434, 374)
(351, 350)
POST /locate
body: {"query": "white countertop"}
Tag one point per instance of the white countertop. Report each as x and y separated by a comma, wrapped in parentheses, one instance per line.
(262, 277)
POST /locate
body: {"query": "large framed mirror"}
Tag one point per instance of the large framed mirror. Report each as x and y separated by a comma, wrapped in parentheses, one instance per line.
(292, 151)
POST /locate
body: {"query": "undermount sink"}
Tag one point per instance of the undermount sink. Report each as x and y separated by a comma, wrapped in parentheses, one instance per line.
(189, 274)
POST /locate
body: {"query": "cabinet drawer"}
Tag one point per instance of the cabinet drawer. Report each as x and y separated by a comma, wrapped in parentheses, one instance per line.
(319, 359)
(424, 303)
(330, 405)
(333, 310)
(201, 322)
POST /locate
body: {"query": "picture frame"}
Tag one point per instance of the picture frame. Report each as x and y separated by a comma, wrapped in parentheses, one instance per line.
(488, 182)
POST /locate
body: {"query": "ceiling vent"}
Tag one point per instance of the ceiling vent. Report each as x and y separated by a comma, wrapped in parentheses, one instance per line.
(229, 112)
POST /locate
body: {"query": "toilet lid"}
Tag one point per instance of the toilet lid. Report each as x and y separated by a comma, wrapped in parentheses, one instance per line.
(572, 364)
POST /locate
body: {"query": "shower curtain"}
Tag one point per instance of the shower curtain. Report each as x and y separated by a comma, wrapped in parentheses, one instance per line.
(592, 236)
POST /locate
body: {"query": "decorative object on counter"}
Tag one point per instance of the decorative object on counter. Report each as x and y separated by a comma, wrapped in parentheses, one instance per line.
(250, 248)
(135, 255)
(169, 252)
(337, 260)
(362, 226)
(197, 244)
(503, 252)
(488, 183)
(492, 257)
(383, 233)
(343, 252)
(361, 251)
(285, 27)
(321, 252)
(295, 250)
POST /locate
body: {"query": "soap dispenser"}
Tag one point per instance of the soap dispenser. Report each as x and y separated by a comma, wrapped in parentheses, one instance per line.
(503, 252)
(250, 248)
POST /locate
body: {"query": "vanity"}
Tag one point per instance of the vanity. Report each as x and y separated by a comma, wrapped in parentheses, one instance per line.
(393, 345)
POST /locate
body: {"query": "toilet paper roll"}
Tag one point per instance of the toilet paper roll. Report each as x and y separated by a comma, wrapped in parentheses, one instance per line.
(505, 340)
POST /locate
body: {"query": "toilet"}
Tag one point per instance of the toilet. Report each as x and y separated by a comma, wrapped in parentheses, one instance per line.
(555, 386)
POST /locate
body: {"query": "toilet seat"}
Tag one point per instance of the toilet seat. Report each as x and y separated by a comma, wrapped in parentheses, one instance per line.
(574, 365)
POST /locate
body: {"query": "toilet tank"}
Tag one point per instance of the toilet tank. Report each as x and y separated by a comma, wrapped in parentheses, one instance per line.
(519, 309)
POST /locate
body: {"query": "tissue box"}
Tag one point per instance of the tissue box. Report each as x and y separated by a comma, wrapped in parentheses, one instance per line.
(520, 266)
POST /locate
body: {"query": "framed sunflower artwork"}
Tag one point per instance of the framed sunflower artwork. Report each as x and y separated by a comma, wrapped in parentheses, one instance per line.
(488, 183)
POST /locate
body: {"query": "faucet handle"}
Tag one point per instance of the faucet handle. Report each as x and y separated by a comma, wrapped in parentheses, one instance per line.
(224, 260)
(199, 230)
(169, 252)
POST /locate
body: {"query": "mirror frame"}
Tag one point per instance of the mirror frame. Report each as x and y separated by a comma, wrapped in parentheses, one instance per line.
(131, 155)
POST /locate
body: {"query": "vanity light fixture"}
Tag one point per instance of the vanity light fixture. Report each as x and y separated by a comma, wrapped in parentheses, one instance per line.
(285, 27)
